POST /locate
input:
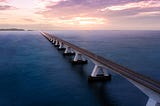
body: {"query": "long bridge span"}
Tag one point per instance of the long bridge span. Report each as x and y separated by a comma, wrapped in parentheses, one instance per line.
(147, 85)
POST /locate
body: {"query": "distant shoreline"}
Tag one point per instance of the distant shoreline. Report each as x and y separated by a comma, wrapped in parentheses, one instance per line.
(14, 29)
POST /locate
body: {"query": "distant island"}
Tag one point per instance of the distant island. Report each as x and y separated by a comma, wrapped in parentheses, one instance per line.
(14, 29)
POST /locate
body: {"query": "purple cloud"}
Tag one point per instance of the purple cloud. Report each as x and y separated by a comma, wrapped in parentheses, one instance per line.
(131, 9)
(92, 3)
(130, 12)
(3, 0)
(115, 12)
(71, 8)
(5, 7)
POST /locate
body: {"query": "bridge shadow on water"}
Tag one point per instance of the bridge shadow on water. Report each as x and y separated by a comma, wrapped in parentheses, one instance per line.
(98, 88)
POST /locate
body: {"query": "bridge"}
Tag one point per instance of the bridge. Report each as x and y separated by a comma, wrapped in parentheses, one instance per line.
(148, 86)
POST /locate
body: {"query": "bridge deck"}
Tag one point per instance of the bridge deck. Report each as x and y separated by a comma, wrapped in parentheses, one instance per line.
(128, 73)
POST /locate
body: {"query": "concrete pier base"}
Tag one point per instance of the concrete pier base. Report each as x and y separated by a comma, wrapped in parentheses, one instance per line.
(56, 45)
(61, 49)
(79, 62)
(68, 54)
(61, 46)
(68, 51)
(79, 59)
(53, 42)
(99, 77)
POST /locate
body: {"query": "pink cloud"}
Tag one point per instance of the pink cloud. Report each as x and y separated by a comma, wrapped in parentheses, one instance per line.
(102, 12)
(5, 7)
(28, 20)
(141, 4)
(65, 9)
(133, 9)
(3, 0)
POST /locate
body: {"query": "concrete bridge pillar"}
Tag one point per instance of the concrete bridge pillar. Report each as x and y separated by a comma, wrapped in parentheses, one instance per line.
(68, 51)
(79, 59)
(50, 39)
(99, 73)
(96, 70)
(61, 46)
(56, 43)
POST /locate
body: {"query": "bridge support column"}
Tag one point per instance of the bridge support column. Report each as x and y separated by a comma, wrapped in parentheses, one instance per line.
(56, 43)
(96, 76)
(68, 51)
(50, 39)
(79, 59)
(61, 46)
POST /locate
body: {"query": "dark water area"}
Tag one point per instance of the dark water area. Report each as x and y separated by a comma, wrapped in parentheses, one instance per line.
(34, 73)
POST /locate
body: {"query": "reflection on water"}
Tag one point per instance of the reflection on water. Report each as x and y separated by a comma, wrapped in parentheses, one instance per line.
(97, 88)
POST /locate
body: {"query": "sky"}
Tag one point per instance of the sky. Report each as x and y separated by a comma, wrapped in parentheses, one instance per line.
(80, 14)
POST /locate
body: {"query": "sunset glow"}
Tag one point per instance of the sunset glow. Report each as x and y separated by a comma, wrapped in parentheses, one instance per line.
(80, 14)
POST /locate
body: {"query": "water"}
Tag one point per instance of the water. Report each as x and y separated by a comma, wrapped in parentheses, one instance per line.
(34, 73)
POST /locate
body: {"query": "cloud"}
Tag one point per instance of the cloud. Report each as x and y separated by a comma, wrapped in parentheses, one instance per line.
(71, 12)
(132, 9)
(83, 13)
(141, 4)
(5, 7)
(3, 0)
(74, 11)
(65, 9)
(28, 20)
(99, 13)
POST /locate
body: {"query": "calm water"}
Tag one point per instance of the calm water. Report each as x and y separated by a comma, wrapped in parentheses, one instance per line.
(34, 73)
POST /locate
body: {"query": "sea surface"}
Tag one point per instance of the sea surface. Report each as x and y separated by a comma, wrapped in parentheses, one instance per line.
(34, 73)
